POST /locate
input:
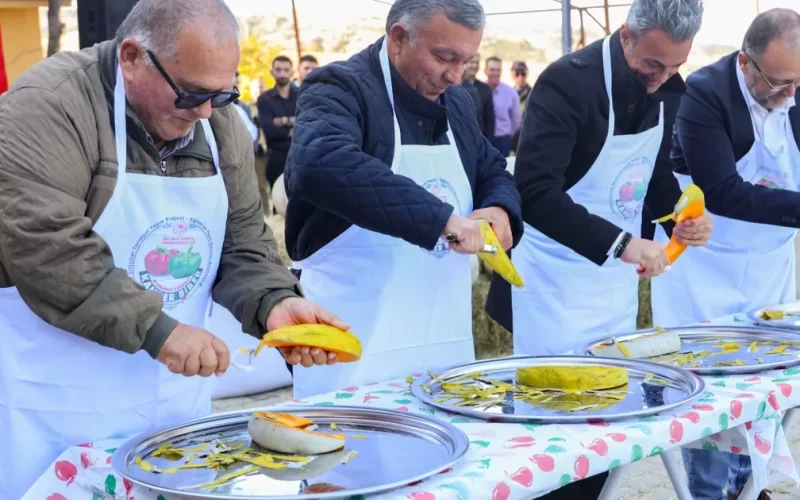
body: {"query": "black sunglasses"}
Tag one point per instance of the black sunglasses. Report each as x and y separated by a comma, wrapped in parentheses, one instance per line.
(191, 100)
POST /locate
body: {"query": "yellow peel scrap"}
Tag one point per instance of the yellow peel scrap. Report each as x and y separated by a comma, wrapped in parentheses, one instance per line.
(145, 466)
(778, 350)
(753, 347)
(730, 347)
(359, 436)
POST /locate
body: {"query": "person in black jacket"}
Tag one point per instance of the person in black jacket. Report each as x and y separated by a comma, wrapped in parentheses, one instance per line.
(481, 95)
(387, 176)
(594, 153)
(276, 112)
(736, 137)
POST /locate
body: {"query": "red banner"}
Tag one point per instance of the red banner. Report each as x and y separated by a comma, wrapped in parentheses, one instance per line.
(3, 76)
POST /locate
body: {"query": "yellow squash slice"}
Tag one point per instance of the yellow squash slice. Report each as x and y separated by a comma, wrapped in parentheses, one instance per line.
(500, 263)
(573, 378)
(329, 338)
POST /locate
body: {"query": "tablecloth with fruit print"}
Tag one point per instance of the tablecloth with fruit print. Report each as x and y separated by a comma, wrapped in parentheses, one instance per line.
(507, 460)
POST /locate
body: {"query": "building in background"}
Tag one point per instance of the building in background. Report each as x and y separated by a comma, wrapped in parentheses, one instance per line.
(21, 37)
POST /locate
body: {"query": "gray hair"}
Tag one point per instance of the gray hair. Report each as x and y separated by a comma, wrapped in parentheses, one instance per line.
(679, 19)
(155, 24)
(413, 14)
(771, 25)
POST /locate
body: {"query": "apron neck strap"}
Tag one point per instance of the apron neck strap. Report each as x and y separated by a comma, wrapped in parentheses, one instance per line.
(607, 77)
(121, 130)
(120, 125)
(387, 82)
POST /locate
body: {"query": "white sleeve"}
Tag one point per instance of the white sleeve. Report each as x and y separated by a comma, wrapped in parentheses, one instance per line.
(248, 123)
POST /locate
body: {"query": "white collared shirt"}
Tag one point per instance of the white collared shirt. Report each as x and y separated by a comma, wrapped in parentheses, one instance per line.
(770, 126)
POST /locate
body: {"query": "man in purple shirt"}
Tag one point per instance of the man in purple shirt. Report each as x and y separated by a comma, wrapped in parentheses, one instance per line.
(507, 111)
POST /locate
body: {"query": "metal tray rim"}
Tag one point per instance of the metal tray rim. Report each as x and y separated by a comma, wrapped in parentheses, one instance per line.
(753, 315)
(518, 361)
(459, 440)
(780, 333)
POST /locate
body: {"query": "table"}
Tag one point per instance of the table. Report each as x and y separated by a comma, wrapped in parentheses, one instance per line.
(740, 414)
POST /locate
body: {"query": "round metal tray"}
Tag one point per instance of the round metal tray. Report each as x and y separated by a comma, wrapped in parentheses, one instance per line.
(393, 449)
(652, 389)
(790, 321)
(692, 340)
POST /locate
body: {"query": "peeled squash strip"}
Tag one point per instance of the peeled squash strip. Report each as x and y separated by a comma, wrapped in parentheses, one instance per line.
(574, 401)
(500, 263)
(573, 378)
(329, 338)
(647, 345)
(286, 433)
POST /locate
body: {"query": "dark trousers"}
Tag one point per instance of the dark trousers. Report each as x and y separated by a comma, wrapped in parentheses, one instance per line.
(502, 144)
(585, 489)
(276, 162)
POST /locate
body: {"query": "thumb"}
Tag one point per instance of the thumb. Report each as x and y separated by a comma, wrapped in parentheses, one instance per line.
(223, 355)
(328, 318)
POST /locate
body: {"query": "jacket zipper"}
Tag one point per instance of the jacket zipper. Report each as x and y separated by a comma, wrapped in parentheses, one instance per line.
(164, 166)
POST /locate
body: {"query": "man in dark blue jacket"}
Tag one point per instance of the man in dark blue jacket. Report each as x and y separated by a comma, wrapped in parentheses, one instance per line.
(386, 178)
(736, 137)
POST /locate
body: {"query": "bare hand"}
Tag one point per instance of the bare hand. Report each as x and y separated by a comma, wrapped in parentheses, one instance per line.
(291, 121)
(694, 232)
(650, 257)
(467, 233)
(193, 351)
(277, 121)
(498, 219)
(297, 311)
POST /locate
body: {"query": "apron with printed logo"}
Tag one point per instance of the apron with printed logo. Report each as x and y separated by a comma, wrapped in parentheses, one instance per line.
(568, 300)
(411, 308)
(744, 265)
(59, 390)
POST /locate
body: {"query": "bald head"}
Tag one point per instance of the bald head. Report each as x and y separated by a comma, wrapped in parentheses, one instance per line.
(169, 48)
(769, 26)
(770, 57)
(157, 24)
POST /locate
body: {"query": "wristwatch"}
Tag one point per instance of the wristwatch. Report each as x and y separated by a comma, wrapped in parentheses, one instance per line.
(623, 244)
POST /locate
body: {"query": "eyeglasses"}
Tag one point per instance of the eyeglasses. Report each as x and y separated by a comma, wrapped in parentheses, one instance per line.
(191, 100)
(775, 88)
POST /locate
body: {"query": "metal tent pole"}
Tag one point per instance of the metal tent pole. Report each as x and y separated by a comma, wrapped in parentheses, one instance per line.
(566, 26)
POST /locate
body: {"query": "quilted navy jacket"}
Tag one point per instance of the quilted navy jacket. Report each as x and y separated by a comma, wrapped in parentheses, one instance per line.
(338, 172)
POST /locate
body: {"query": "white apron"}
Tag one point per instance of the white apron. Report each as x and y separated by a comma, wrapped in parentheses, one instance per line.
(411, 308)
(744, 265)
(568, 299)
(59, 390)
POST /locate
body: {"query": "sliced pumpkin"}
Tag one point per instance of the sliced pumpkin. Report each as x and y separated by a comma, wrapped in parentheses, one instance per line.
(287, 433)
(329, 338)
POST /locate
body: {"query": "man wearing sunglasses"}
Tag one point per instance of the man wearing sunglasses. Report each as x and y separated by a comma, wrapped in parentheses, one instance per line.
(736, 137)
(128, 199)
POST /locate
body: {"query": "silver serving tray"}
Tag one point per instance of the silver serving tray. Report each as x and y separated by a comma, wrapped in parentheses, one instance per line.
(643, 398)
(394, 449)
(791, 322)
(692, 341)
